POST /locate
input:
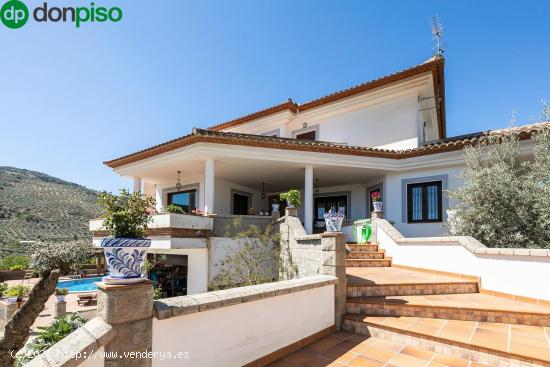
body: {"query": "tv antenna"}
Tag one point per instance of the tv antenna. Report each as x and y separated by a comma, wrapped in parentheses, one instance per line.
(437, 33)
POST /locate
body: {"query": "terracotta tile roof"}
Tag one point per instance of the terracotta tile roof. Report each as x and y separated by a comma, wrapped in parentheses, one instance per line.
(261, 141)
(434, 65)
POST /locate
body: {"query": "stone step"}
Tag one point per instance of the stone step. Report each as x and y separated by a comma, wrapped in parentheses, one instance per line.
(400, 289)
(360, 263)
(353, 255)
(370, 247)
(466, 307)
(494, 344)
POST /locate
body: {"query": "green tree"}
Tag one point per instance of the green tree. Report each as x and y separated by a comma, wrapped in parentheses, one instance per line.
(505, 199)
(49, 260)
(254, 261)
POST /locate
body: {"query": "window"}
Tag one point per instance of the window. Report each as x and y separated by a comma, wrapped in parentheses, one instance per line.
(240, 204)
(183, 199)
(325, 204)
(424, 202)
(310, 135)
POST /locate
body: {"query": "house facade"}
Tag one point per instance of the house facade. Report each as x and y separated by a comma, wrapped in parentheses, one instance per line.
(387, 135)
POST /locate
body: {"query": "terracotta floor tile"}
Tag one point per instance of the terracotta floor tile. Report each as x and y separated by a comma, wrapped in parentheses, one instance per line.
(317, 361)
(521, 339)
(298, 358)
(356, 346)
(490, 343)
(323, 345)
(380, 354)
(362, 361)
(339, 354)
(449, 361)
(385, 344)
(403, 360)
(396, 276)
(530, 351)
(417, 352)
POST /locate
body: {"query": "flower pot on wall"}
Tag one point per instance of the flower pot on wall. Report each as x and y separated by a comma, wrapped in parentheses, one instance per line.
(378, 206)
(124, 258)
(11, 300)
(334, 221)
(60, 299)
(275, 207)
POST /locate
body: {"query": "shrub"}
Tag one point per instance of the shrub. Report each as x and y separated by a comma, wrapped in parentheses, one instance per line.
(17, 268)
(3, 288)
(172, 208)
(61, 291)
(19, 291)
(125, 215)
(11, 261)
(60, 255)
(49, 335)
(292, 196)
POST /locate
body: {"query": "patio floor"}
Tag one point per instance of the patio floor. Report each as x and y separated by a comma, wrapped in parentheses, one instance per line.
(349, 349)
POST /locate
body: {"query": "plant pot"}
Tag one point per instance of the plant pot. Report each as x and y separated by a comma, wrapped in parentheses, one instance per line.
(124, 258)
(334, 221)
(378, 206)
(11, 300)
(275, 207)
(60, 299)
(289, 204)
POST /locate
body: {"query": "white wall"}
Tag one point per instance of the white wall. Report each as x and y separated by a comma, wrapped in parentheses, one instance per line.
(393, 200)
(392, 125)
(223, 197)
(239, 334)
(514, 274)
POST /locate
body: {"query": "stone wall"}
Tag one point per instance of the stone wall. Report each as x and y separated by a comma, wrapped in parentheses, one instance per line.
(305, 255)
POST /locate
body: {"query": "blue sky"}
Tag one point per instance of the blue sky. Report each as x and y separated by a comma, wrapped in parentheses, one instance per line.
(72, 98)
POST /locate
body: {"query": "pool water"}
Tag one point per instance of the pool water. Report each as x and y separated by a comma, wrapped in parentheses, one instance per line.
(79, 285)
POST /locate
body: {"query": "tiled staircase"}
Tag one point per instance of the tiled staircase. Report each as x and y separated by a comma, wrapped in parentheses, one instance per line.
(442, 313)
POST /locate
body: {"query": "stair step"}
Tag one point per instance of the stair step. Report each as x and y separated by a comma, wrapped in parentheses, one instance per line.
(488, 343)
(400, 289)
(357, 255)
(466, 307)
(369, 247)
(349, 349)
(368, 262)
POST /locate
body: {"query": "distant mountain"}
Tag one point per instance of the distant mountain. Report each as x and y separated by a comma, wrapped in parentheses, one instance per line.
(34, 204)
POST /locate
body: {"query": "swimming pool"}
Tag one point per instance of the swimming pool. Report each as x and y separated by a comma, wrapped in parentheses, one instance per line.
(79, 285)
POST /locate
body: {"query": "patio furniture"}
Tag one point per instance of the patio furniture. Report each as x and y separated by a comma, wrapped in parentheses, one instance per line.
(27, 276)
(87, 299)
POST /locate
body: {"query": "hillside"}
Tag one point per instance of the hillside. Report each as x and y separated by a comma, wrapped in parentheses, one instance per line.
(34, 204)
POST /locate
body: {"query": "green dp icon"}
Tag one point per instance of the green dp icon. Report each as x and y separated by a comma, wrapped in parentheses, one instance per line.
(14, 14)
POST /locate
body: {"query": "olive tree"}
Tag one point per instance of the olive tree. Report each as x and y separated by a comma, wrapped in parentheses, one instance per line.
(255, 259)
(49, 260)
(505, 199)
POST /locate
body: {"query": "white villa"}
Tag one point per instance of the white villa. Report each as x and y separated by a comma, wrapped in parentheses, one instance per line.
(387, 135)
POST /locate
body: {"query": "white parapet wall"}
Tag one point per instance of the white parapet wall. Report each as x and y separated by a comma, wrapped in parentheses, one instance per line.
(522, 272)
(237, 326)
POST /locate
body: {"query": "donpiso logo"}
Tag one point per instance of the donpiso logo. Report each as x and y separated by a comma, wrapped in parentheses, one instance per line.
(15, 14)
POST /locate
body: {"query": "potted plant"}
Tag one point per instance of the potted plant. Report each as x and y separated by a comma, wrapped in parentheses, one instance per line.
(60, 294)
(377, 203)
(334, 219)
(17, 293)
(293, 198)
(126, 218)
(174, 209)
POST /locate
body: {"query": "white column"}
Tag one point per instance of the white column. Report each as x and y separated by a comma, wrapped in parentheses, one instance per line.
(137, 184)
(308, 199)
(159, 205)
(209, 186)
